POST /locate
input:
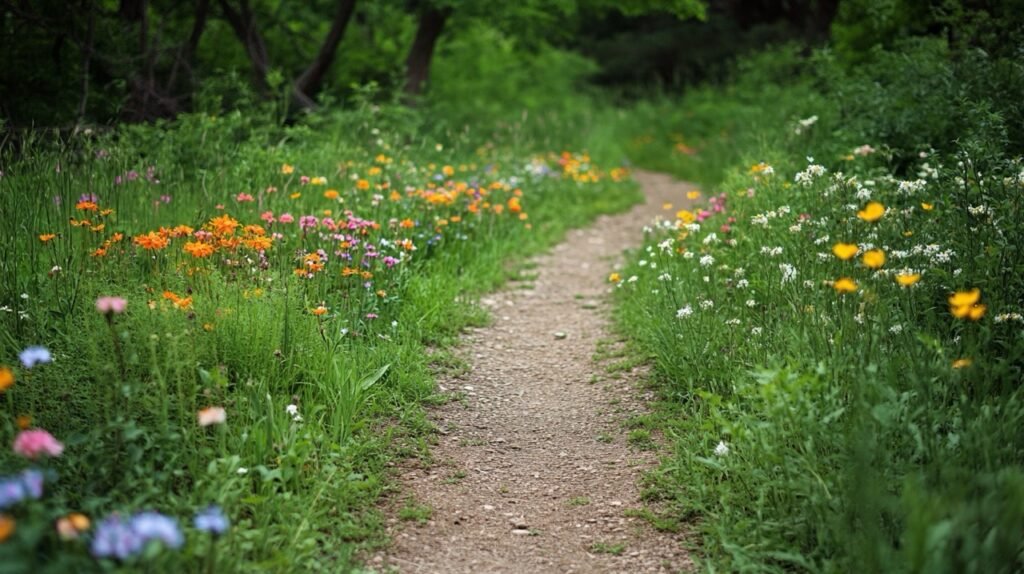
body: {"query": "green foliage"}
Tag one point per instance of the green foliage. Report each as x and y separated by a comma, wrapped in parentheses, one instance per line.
(322, 373)
(828, 431)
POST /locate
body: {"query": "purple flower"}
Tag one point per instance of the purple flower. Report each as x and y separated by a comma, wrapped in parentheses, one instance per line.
(14, 489)
(155, 526)
(88, 197)
(115, 538)
(307, 222)
(211, 519)
(390, 261)
(34, 355)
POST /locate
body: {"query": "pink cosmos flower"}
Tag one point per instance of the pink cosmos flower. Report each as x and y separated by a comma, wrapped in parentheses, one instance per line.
(111, 305)
(36, 442)
(307, 221)
(243, 197)
(286, 218)
(268, 216)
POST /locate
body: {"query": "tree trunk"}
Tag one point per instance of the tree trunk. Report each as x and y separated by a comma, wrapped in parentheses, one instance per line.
(417, 65)
(243, 22)
(312, 79)
(186, 55)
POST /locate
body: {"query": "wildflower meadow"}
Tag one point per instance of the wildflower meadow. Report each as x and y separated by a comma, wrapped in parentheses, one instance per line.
(250, 249)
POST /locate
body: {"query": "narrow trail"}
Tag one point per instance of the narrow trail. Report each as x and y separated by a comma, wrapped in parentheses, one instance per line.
(532, 472)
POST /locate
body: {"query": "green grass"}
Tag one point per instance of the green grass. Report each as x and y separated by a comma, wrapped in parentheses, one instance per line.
(323, 376)
(813, 429)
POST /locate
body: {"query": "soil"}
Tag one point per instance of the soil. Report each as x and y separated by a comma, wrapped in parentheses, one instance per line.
(533, 470)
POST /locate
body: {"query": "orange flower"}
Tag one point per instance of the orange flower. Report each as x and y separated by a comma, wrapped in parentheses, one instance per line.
(151, 241)
(223, 225)
(513, 205)
(331, 194)
(407, 224)
(259, 243)
(6, 527)
(197, 249)
(320, 310)
(287, 169)
(47, 237)
(6, 378)
(23, 422)
(872, 212)
(362, 184)
(87, 206)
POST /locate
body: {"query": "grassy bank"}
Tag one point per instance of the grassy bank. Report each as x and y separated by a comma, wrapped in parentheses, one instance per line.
(237, 324)
(836, 323)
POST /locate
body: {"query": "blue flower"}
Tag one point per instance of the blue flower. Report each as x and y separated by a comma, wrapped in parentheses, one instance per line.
(115, 538)
(14, 489)
(35, 355)
(211, 519)
(155, 526)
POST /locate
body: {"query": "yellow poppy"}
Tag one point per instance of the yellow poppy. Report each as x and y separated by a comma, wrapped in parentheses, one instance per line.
(874, 258)
(908, 279)
(845, 285)
(845, 251)
(872, 212)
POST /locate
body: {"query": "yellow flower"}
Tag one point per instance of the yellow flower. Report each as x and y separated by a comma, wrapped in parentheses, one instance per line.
(873, 211)
(374, 170)
(47, 237)
(448, 171)
(70, 526)
(6, 378)
(845, 251)
(964, 305)
(962, 362)
(295, 195)
(686, 216)
(874, 258)
(287, 169)
(614, 278)
(23, 421)
(927, 206)
(666, 206)
(907, 279)
(845, 285)
(692, 194)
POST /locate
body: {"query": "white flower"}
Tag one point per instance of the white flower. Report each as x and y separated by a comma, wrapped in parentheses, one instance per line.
(896, 329)
(733, 322)
(706, 260)
(721, 449)
(684, 312)
(742, 284)
(242, 470)
(707, 304)
(688, 255)
(755, 331)
(293, 410)
(789, 272)
(711, 238)
(751, 303)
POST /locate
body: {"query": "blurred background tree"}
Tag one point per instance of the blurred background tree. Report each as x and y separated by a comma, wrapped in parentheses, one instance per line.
(78, 62)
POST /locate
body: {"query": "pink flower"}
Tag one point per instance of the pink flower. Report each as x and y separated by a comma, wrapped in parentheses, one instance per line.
(286, 218)
(725, 228)
(307, 222)
(111, 305)
(267, 216)
(304, 179)
(211, 416)
(35, 442)
(243, 197)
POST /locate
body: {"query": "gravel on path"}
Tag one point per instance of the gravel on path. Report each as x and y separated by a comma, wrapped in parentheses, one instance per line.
(532, 472)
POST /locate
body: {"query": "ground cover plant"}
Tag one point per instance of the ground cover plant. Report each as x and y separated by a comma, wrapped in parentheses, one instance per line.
(215, 329)
(835, 318)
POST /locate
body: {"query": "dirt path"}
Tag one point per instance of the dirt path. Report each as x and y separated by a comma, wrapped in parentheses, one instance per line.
(533, 472)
